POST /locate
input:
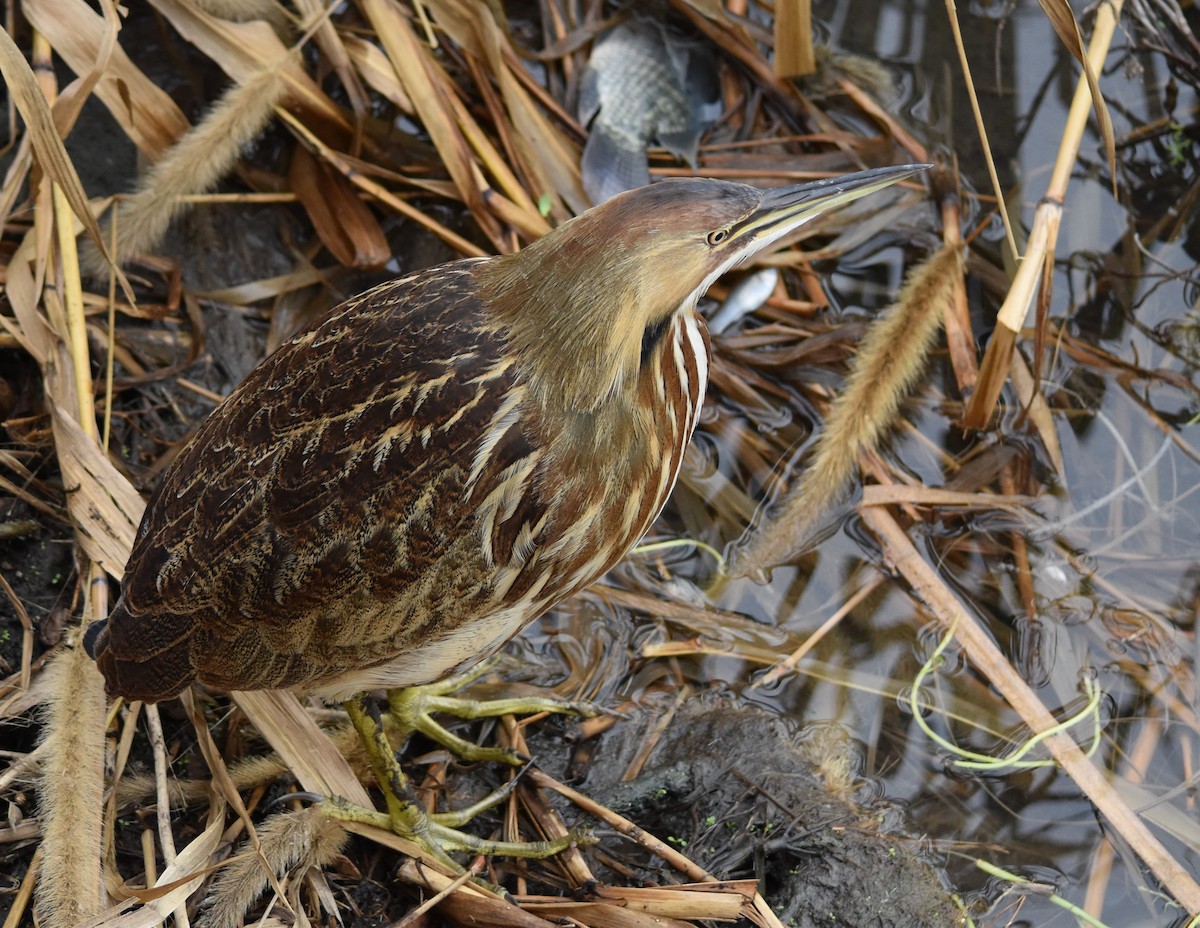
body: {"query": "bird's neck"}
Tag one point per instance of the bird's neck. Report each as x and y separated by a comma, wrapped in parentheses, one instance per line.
(570, 315)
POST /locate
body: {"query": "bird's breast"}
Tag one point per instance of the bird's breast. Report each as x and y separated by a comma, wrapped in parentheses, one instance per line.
(573, 506)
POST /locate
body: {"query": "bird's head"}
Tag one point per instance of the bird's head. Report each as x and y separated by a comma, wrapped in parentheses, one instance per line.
(583, 301)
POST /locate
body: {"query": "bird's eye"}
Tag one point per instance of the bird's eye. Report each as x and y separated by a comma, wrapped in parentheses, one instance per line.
(715, 238)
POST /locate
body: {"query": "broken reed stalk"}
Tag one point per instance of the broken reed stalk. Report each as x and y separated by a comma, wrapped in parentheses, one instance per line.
(794, 39)
(983, 652)
(1040, 248)
(890, 359)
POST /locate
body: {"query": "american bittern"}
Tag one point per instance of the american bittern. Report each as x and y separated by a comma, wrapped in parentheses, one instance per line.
(397, 491)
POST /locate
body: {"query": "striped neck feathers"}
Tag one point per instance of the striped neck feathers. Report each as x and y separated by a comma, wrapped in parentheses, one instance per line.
(584, 320)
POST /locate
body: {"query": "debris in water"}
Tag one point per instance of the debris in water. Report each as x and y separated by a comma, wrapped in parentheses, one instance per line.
(645, 81)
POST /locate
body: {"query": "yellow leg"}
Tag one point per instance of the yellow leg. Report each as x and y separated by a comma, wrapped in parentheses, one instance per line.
(412, 710)
(436, 832)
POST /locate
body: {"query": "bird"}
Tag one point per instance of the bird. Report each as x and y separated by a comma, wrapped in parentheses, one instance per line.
(398, 490)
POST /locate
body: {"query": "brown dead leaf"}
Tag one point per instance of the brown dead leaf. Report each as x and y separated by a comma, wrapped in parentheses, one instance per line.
(51, 154)
(345, 224)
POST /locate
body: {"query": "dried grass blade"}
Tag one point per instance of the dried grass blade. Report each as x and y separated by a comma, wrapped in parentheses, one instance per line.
(670, 902)
(965, 63)
(304, 747)
(610, 915)
(960, 339)
(547, 158)
(419, 76)
(104, 506)
(1034, 402)
(453, 21)
(14, 178)
(22, 287)
(1063, 20)
(330, 42)
(377, 71)
(265, 289)
(380, 193)
(48, 147)
(877, 495)
(183, 877)
(145, 113)
(345, 224)
(26, 631)
(242, 49)
(468, 905)
(290, 842)
(70, 102)
(794, 39)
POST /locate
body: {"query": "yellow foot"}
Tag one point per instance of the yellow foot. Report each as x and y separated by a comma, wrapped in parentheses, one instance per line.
(437, 832)
(412, 710)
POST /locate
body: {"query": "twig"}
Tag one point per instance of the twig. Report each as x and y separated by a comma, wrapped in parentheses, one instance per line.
(166, 838)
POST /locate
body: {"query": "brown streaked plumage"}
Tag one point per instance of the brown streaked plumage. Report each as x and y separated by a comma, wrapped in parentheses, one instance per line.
(399, 490)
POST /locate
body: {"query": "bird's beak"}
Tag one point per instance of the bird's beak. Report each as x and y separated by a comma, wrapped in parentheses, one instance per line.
(784, 208)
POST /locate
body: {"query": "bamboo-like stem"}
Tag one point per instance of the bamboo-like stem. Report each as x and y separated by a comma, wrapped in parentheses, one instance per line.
(983, 652)
(1044, 235)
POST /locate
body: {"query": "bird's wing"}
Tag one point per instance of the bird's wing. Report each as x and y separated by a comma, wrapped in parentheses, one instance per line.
(334, 478)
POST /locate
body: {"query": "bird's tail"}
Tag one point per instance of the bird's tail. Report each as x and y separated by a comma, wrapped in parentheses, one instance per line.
(95, 639)
(141, 658)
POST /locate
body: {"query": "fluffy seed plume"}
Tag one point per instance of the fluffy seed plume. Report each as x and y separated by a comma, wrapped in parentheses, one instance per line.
(193, 165)
(71, 792)
(889, 361)
(289, 841)
(240, 11)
